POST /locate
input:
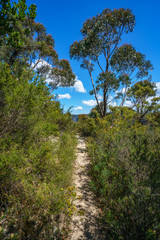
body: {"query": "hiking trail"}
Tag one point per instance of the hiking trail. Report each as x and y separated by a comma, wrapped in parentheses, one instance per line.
(84, 226)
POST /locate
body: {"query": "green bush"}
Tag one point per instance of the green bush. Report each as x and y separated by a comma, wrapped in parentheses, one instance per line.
(86, 126)
(36, 160)
(126, 177)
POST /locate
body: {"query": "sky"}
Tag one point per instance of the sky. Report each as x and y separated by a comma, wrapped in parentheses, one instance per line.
(64, 19)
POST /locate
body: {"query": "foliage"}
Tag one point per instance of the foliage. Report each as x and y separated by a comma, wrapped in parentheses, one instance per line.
(10, 13)
(101, 37)
(85, 126)
(37, 152)
(130, 66)
(125, 171)
(25, 42)
(119, 67)
(37, 140)
(143, 97)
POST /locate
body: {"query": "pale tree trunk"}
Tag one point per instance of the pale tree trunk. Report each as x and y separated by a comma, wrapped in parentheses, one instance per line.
(104, 103)
(95, 93)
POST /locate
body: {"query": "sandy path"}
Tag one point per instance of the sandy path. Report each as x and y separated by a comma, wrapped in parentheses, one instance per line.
(86, 226)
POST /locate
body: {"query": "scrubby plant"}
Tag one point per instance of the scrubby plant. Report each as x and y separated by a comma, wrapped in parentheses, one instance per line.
(37, 139)
(125, 175)
(37, 154)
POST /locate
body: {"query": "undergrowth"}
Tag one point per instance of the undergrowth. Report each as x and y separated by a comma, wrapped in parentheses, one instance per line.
(125, 170)
(37, 145)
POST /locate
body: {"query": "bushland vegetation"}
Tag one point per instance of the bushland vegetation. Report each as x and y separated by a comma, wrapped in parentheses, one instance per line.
(37, 140)
(123, 141)
(125, 170)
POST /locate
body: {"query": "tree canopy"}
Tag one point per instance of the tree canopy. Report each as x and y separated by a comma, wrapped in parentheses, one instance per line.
(37, 141)
(142, 94)
(25, 42)
(129, 66)
(99, 49)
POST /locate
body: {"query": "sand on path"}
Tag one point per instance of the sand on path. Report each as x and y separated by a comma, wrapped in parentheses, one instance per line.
(86, 226)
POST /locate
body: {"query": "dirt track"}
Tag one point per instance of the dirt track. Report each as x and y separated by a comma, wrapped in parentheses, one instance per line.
(86, 226)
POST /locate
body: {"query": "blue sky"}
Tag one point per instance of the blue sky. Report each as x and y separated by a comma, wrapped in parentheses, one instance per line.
(64, 19)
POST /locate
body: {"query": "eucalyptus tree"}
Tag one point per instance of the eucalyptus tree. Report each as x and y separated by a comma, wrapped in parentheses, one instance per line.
(24, 43)
(10, 13)
(130, 66)
(101, 37)
(143, 97)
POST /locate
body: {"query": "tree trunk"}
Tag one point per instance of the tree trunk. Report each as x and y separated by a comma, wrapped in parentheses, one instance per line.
(95, 93)
(104, 103)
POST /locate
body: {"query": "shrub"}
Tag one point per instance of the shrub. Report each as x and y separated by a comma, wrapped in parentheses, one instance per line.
(37, 155)
(125, 172)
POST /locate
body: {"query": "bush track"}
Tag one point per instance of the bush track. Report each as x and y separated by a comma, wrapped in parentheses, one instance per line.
(85, 224)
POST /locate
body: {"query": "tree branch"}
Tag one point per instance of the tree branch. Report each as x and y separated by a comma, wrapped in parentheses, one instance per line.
(35, 64)
(100, 65)
(95, 93)
(117, 42)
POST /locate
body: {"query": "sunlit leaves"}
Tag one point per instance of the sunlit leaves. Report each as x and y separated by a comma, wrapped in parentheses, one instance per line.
(126, 60)
(109, 79)
(101, 36)
(26, 43)
(102, 32)
(140, 93)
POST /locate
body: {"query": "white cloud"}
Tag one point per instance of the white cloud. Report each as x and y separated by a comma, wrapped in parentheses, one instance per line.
(158, 88)
(128, 104)
(62, 96)
(122, 90)
(114, 104)
(79, 86)
(42, 63)
(110, 99)
(90, 102)
(78, 108)
(99, 97)
(157, 93)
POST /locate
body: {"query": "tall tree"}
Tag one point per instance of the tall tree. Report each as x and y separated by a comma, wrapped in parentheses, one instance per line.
(142, 94)
(25, 42)
(101, 36)
(129, 66)
(10, 13)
